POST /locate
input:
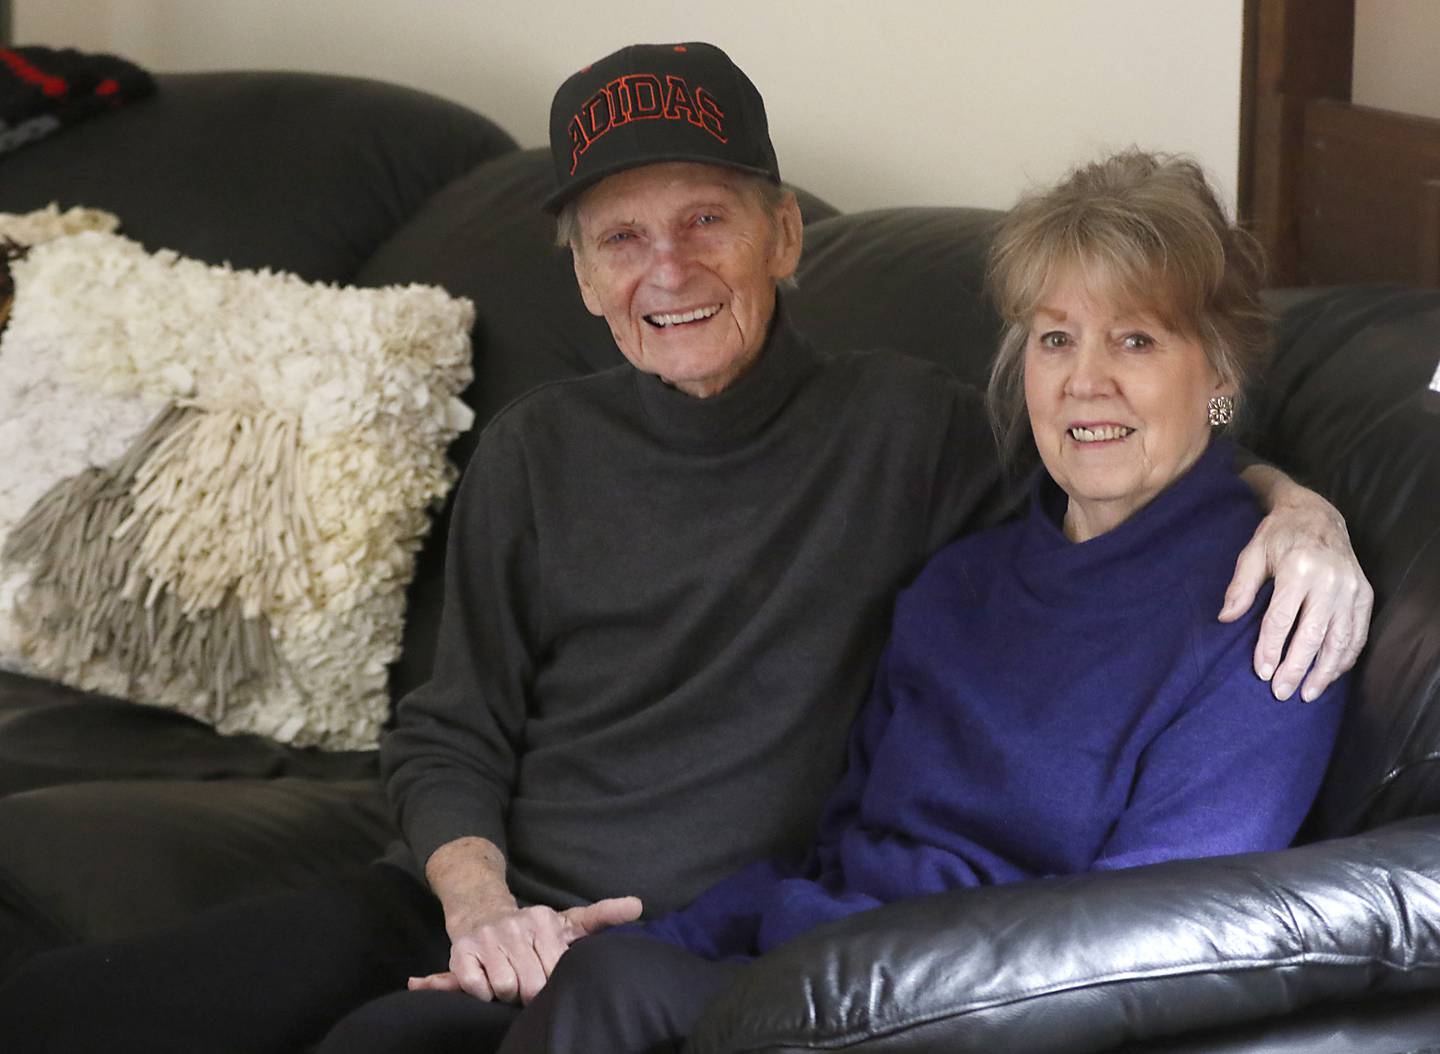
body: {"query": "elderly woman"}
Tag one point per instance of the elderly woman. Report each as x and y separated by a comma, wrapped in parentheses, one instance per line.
(1057, 695)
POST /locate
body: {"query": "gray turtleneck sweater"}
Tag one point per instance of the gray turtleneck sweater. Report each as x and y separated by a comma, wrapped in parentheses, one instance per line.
(662, 613)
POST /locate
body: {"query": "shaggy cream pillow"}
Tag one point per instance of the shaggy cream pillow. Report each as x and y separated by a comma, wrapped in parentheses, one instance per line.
(216, 481)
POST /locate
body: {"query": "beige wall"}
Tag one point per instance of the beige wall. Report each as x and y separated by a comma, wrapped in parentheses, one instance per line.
(873, 102)
(1397, 55)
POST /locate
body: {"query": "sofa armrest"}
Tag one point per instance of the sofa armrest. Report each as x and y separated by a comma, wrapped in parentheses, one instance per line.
(1088, 962)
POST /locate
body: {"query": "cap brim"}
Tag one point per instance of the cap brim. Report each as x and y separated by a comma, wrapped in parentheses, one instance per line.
(556, 201)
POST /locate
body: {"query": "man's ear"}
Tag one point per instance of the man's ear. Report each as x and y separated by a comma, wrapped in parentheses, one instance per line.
(789, 239)
(582, 278)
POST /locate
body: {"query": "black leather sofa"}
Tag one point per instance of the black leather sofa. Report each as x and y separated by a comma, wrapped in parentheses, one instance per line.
(115, 817)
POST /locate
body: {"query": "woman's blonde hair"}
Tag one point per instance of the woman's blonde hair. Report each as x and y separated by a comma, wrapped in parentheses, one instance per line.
(1148, 232)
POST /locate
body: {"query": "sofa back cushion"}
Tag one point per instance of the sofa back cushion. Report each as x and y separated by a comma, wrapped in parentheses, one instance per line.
(295, 172)
(1349, 408)
(909, 279)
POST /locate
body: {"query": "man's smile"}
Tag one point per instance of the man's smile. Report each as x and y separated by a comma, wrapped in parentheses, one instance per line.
(661, 320)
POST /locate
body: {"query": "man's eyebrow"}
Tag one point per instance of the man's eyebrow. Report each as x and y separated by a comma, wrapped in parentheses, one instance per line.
(605, 223)
(717, 195)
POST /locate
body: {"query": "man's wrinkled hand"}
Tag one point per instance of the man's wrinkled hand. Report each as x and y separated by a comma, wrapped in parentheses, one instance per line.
(1321, 601)
(509, 956)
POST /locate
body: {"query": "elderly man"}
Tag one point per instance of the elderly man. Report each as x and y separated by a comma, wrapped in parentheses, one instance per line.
(667, 588)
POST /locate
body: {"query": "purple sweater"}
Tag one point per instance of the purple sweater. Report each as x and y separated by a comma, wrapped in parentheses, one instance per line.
(1047, 708)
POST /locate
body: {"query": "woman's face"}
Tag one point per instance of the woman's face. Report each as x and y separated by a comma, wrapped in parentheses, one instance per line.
(1117, 402)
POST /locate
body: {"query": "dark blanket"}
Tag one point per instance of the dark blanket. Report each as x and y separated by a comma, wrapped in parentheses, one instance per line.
(44, 89)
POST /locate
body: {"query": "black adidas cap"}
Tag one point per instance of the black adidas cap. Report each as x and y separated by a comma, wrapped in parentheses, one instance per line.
(648, 103)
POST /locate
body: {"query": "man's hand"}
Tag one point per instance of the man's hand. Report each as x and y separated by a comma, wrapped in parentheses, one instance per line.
(509, 958)
(499, 950)
(1304, 545)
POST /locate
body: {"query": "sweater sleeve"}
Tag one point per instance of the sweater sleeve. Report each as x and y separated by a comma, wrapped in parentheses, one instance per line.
(449, 763)
(723, 922)
(1235, 770)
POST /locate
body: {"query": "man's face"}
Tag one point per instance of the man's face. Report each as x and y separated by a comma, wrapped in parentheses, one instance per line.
(681, 260)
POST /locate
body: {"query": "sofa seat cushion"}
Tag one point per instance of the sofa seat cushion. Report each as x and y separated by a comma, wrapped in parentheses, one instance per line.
(92, 861)
(51, 734)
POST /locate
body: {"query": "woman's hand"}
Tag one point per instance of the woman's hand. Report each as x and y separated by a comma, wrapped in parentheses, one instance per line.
(1304, 545)
(507, 955)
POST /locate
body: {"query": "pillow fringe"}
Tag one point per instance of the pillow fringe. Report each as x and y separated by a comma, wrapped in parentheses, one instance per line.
(91, 599)
(233, 475)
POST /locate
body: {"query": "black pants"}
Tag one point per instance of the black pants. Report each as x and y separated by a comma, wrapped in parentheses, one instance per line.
(619, 993)
(254, 977)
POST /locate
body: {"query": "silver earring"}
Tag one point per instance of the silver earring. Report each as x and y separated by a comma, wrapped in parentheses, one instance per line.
(1221, 409)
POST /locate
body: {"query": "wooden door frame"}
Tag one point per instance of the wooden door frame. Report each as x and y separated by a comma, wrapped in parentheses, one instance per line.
(1294, 51)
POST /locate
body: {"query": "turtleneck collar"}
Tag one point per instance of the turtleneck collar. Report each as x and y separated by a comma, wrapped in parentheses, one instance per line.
(741, 410)
(1137, 558)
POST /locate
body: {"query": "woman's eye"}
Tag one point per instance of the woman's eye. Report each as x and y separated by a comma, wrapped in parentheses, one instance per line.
(1138, 341)
(1054, 339)
(706, 219)
(619, 237)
